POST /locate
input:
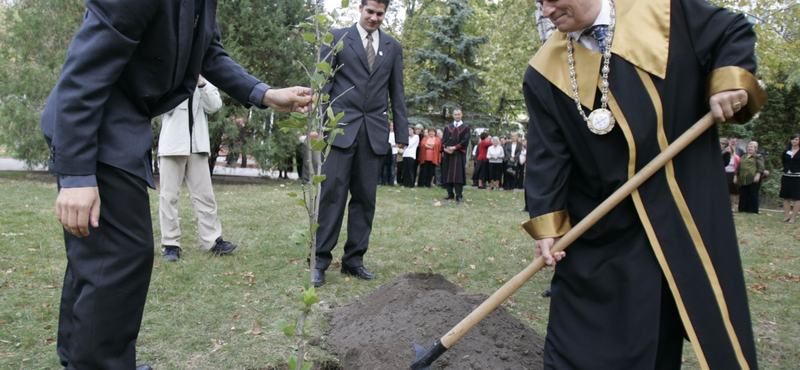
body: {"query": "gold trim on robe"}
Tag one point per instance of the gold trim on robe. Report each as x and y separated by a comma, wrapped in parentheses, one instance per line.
(550, 225)
(738, 78)
(639, 45)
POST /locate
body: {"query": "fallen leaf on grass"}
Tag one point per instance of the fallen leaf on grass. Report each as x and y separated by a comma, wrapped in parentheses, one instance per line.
(426, 250)
(758, 287)
(491, 259)
(235, 317)
(788, 277)
(504, 241)
(472, 267)
(255, 331)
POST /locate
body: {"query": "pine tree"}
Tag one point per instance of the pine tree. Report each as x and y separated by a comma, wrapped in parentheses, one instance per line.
(449, 70)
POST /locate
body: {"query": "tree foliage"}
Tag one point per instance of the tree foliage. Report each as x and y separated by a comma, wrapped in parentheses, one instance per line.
(449, 66)
(33, 47)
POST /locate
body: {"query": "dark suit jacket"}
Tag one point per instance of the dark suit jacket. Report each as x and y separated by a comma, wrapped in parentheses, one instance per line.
(130, 61)
(368, 101)
(507, 150)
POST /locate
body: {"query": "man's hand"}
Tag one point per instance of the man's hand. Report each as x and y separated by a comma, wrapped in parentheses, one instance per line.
(76, 207)
(289, 99)
(401, 146)
(727, 103)
(543, 249)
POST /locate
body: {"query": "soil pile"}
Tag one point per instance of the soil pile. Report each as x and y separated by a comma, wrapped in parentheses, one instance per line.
(376, 331)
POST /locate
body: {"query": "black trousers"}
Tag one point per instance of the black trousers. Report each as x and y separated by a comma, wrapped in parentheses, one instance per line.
(354, 170)
(748, 197)
(409, 172)
(458, 194)
(427, 171)
(107, 277)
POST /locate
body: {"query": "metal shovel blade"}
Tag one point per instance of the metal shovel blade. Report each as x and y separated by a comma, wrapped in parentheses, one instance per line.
(424, 358)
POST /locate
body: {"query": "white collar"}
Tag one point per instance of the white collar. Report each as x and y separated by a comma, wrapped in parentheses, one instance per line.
(603, 18)
(458, 123)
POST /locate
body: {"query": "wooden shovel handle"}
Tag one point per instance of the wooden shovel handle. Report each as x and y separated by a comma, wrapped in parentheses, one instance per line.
(623, 192)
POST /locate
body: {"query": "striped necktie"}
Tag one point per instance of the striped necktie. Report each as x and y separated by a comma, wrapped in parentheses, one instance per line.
(370, 52)
(599, 32)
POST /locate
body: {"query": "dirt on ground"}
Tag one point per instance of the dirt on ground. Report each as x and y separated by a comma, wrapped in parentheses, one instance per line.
(376, 331)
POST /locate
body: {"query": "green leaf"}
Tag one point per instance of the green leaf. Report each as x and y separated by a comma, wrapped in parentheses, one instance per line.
(318, 179)
(292, 363)
(322, 18)
(301, 202)
(284, 326)
(292, 194)
(345, 3)
(305, 25)
(323, 66)
(339, 46)
(309, 37)
(328, 38)
(310, 297)
(319, 145)
(314, 227)
(318, 79)
(307, 365)
(300, 238)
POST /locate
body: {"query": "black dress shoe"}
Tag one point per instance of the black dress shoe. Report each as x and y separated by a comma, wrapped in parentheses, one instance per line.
(319, 278)
(359, 272)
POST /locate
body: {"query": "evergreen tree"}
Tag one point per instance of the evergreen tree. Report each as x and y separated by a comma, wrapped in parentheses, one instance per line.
(261, 35)
(449, 69)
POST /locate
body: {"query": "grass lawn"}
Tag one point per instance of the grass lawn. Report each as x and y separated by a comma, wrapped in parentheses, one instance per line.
(208, 312)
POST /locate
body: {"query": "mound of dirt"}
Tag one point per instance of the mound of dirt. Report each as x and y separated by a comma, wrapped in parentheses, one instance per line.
(376, 331)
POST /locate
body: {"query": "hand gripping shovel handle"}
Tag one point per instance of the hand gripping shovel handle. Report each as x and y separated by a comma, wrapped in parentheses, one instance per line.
(425, 358)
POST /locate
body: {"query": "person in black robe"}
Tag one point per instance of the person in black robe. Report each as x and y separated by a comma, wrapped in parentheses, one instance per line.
(664, 263)
(454, 157)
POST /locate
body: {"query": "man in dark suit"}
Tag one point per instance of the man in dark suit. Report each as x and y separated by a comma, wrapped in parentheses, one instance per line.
(371, 73)
(130, 61)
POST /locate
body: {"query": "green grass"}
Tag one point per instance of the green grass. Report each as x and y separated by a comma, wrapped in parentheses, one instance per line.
(209, 312)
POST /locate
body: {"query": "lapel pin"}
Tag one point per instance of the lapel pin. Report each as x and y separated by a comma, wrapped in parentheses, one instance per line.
(380, 53)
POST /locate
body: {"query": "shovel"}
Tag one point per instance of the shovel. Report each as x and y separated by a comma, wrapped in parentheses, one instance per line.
(424, 358)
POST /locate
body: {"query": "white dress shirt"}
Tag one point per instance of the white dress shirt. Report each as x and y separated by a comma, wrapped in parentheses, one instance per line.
(376, 38)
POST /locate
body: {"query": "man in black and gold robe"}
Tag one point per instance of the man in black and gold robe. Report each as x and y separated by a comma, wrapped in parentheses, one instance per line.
(664, 263)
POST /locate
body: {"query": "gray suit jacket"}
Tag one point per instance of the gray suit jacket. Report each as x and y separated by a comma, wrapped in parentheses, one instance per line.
(130, 61)
(367, 102)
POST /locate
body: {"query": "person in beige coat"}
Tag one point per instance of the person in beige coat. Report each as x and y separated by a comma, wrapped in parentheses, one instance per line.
(183, 151)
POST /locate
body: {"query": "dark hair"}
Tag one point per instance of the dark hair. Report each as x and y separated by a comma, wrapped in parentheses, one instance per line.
(384, 2)
(794, 136)
(484, 135)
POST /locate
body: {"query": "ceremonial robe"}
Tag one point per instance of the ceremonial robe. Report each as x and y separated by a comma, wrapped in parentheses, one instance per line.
(673, 240)
(453, 164)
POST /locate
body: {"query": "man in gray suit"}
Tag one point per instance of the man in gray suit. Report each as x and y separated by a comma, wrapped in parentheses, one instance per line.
(130, 61)
(371, 74)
